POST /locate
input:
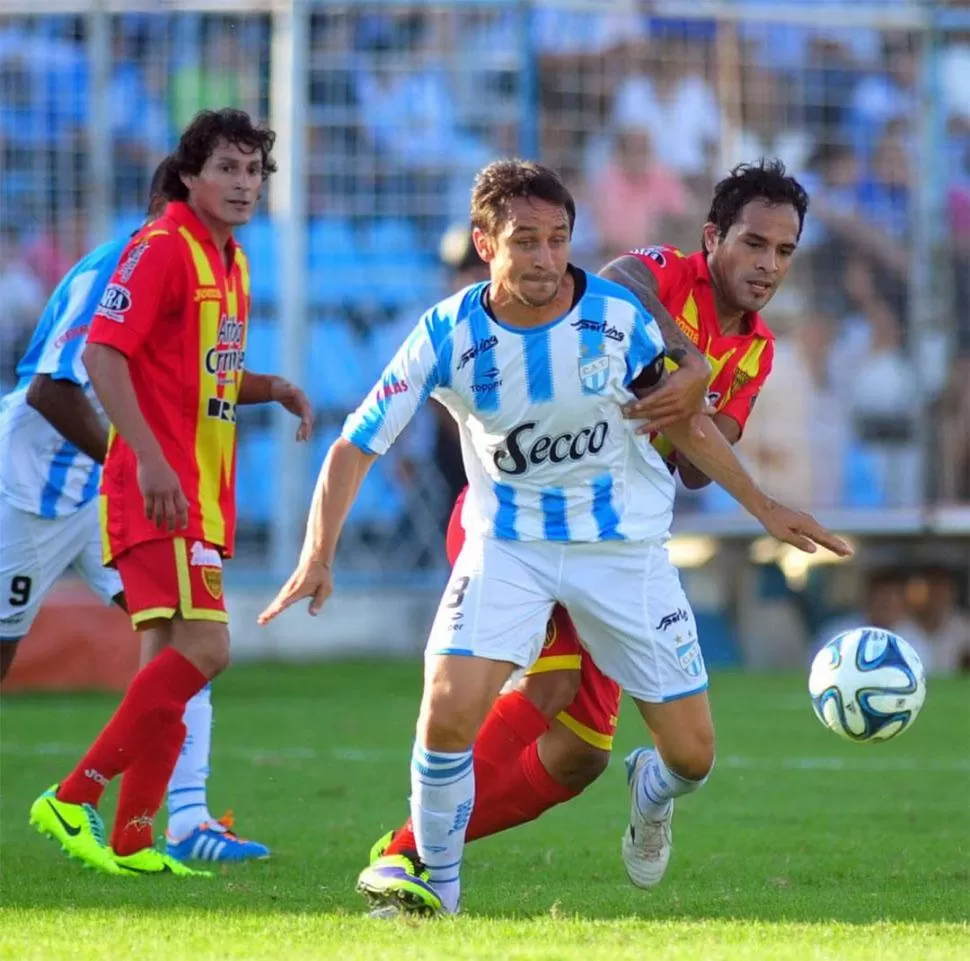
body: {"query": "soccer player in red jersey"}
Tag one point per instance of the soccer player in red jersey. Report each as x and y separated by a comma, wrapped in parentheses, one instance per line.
(551, 736)
(166, 358)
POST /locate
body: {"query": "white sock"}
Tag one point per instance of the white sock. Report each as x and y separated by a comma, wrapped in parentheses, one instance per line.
(442, 796)
(187, 807)
(658, 785)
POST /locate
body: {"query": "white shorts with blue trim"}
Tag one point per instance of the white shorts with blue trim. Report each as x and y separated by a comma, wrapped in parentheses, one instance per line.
(35, 553)
(624, 597)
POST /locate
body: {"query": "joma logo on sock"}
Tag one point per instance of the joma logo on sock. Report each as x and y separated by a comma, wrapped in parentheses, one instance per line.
(462, 817)
(96, 776)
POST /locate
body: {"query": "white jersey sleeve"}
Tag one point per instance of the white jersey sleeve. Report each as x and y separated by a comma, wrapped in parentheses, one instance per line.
(61, 356)
(405, 385)
(646, 346)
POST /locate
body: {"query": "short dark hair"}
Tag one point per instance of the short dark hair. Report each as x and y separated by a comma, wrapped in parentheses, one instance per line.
(199, 139)
(502, 181)
(766, 181)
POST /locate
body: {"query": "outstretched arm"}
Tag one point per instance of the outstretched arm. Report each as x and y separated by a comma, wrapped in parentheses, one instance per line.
(694, 479)
(368, 432)
(707, 448)
(338, 484)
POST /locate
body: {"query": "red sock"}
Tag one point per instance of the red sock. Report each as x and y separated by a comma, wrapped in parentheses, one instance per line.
(513, 723)
(143, 787)
(158, 693)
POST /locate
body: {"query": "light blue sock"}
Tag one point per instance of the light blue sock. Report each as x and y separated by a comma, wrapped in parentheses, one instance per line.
(658, 786)
(187, 805)
(442, 796)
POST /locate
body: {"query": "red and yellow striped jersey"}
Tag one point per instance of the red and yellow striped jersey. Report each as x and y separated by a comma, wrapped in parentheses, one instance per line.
(740, 363)
(180, 316)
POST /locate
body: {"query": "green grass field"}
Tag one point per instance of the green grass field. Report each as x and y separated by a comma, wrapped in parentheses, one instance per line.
(802, 846)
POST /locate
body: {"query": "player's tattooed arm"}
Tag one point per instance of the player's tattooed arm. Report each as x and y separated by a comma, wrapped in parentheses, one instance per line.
(66, 407)
(675, 398)
(628, 271)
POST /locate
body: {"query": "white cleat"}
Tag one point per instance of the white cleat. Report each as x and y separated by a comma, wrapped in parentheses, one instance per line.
(646, 844)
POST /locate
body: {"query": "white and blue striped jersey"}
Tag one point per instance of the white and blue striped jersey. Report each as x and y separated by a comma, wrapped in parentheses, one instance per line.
(40, 471)
(546, 449)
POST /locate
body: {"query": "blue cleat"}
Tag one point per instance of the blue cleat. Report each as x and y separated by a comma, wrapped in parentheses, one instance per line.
(216, 842)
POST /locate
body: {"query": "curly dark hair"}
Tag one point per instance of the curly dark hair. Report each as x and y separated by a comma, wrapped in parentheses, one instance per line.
(500, 182)
(199, 139)
(766, 181)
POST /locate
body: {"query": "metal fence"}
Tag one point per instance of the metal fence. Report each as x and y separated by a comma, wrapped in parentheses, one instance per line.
(385, 111)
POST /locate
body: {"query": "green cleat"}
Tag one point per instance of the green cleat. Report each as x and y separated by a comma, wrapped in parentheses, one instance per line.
(152, 861)
(397, 881)
(78, 829)
(380, 847)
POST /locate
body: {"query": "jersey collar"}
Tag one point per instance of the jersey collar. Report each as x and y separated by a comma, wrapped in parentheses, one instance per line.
(753, 325)
(185, 216)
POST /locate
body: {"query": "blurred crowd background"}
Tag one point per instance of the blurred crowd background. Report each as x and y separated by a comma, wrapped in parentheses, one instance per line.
(642, 106)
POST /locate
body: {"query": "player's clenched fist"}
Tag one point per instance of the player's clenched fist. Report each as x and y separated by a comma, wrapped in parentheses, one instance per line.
(312, 579)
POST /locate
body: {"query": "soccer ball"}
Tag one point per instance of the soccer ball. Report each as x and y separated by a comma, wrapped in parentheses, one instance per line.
(867, 685)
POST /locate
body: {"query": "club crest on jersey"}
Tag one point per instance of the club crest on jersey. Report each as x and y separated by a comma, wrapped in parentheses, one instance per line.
(594, 374)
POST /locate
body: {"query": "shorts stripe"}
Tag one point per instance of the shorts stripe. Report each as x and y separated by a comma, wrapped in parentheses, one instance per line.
(678, 697)
(603, 741)
(152, 613)
(556, 662)
(186, 608)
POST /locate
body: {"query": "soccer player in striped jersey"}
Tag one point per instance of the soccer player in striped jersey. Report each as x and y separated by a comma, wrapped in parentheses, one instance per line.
(566, 503)
(165, 355)
(551, 736)
(53, 441)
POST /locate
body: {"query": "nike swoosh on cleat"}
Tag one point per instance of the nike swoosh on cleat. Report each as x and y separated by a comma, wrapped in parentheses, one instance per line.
(71, 830)
(127, 867)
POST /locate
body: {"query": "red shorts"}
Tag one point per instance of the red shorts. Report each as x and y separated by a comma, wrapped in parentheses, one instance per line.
(170, 576)
(594, 712)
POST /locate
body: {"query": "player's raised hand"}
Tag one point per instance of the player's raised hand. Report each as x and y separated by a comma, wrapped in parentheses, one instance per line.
(297, 403)
(801, 530)
(682, 394)
(165, 501)
(311, 579)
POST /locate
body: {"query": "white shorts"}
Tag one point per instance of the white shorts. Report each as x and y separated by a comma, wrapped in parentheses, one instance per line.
(625, 599)
(35, 552)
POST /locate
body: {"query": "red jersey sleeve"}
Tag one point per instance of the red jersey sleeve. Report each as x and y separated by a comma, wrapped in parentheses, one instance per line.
(670, 267)
(738, 406)
(139, 292)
